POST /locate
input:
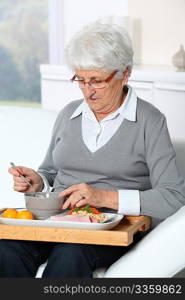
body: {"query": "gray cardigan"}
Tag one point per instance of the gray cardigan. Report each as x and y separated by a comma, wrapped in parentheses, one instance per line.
(139, 156)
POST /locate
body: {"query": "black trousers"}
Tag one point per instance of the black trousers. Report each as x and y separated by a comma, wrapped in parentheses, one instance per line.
(23, 258)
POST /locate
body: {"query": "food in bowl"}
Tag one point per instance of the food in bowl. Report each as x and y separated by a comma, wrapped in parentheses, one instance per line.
(43, 204)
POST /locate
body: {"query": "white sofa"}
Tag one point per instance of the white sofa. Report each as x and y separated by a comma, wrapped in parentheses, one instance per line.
(25, 134)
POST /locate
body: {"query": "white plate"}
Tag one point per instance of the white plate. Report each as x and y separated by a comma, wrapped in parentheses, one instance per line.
(65, 224)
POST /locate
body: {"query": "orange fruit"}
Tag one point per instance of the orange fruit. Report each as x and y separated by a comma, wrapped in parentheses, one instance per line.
(10, 213)
(24, 214)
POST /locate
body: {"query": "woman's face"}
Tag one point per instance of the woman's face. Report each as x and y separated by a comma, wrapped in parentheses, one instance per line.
(102, 101)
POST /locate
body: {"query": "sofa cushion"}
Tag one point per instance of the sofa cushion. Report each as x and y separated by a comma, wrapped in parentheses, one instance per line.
(25, 134)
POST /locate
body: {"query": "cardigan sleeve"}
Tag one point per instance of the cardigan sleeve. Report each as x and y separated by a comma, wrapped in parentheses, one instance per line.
(167, 194)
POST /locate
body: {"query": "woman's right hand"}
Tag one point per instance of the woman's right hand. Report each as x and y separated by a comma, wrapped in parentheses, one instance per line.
(32, 176)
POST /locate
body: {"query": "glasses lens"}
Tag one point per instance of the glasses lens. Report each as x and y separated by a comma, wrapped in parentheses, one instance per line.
(93, 84)
(98, 84)
(81, 84)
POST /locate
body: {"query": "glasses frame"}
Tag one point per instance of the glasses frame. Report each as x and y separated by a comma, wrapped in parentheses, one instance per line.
(106, 80)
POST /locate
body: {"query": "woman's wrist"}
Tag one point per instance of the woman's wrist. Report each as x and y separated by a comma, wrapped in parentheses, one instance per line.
(40, 184)
(111, 199)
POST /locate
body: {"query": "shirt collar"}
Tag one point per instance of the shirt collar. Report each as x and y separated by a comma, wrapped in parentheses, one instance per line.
(79, 110)
(127, 109)
(129, 106)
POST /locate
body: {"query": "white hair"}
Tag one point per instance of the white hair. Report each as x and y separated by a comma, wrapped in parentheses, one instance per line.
(107, 47)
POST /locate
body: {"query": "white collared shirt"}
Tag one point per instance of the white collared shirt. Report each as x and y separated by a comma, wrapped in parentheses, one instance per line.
(101, 133)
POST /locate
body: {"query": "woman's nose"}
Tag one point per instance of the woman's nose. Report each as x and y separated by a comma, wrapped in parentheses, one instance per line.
(89, 90)
(88, 93)
(88, 86)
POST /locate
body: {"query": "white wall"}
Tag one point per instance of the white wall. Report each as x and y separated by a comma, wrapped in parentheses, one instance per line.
(81, 12)
(157, 26)
(158, 29)
(68, 16)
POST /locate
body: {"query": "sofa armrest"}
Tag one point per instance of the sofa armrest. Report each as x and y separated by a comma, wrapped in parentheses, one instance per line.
(161, 253)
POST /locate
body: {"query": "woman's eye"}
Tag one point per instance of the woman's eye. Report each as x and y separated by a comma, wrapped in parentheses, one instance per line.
(96, 82)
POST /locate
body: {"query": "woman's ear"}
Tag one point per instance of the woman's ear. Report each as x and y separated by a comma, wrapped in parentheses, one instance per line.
(125, 77)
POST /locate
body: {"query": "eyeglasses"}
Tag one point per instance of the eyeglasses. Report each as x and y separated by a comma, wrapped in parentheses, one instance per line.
(96, 84)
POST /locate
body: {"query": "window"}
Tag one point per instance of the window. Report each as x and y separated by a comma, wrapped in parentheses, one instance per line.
(23, 47)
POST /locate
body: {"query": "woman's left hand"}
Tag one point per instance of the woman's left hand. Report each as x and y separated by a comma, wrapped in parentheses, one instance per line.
(82, 194)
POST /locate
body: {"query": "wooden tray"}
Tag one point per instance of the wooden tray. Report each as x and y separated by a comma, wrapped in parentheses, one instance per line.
(121, 235)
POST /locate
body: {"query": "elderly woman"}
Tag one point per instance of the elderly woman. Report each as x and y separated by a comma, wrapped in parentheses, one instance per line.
(111, 150)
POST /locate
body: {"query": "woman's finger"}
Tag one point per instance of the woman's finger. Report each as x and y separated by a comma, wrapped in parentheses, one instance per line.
(69, 190)
(74, 198)
(23, 189)
(83, 187)
(24, 171)
(13, 172)
(20, 180)
(67, 203)
(20, 188)
(82, 202)
(23, 185)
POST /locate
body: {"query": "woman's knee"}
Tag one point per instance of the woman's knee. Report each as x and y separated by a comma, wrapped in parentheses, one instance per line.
(15, 260)
(73, 251)
(74, 254)
(69, 261)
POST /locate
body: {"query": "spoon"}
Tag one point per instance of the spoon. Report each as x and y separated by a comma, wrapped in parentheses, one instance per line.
(108, 220)
(26, 181)
(47, 193)
(22, 176)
